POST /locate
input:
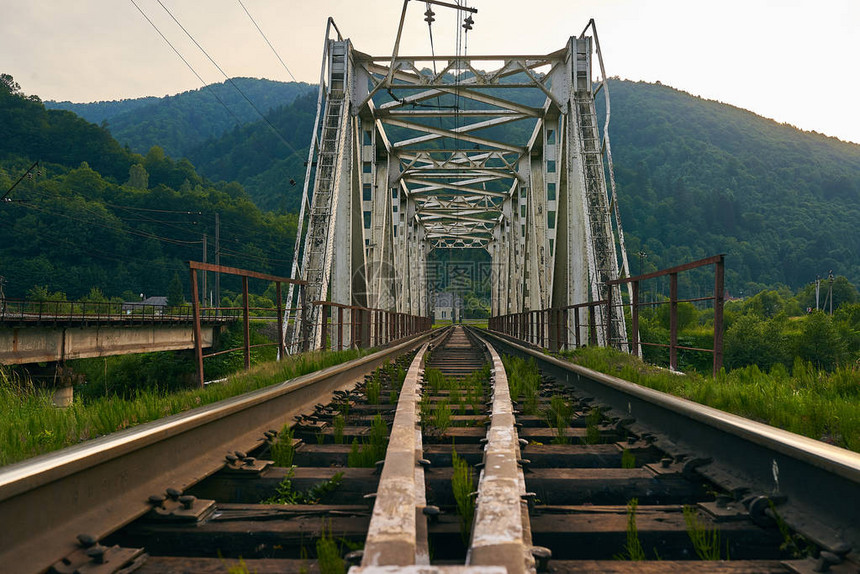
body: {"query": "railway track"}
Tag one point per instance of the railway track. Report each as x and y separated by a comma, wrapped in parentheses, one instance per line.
(428, 453)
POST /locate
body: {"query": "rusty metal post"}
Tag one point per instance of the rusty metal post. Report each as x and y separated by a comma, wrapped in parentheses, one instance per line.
(719, 295)
(634, 313)
(281, 350)
(565, 335)
(592, 324)
(198, 343)
(576, 333)
(306, 318)
(608, 326)
(246, 315)
(323, 313)
(340, 328)
(673, 321)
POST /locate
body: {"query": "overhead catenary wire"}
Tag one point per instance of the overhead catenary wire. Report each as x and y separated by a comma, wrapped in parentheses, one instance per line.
(278, 56)
(230, 80)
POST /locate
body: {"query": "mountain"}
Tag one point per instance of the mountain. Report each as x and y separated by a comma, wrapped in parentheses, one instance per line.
(181, 122)
(695, 178)
(96, 215)
(699, 177)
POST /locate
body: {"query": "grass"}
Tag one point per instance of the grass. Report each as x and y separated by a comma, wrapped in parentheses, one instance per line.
(633, 546)
(282, 450)
(442, 416)
(373, 388)
(328, 553)
(338, 424)
(285, 494)
(30, 425)
(705, 538)
(807, 401)
(628, 459)
(366, 455)
(463, 485)
(558, 417)
(524, 382)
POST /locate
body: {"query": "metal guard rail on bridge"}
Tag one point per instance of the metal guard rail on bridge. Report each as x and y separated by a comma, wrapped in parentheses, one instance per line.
(549, 328)
(41, 312)
(367, 327)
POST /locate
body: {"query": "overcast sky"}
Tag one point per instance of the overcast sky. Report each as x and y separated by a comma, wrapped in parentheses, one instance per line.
(795, 61)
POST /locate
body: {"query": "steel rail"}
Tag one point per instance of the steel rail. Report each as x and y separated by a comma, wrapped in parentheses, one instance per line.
(814, 486)
(99, 486)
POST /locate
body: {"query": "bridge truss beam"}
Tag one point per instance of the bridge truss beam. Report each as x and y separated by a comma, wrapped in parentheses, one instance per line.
(501, 153)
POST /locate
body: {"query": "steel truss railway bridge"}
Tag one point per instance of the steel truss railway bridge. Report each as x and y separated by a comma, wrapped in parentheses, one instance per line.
(412, 153)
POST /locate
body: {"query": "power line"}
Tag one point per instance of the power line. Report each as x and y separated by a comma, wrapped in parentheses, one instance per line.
(267, 41)
(190, 67)
(229, 79)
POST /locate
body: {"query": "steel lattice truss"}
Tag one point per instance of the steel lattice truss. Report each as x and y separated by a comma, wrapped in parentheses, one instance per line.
(499, 152)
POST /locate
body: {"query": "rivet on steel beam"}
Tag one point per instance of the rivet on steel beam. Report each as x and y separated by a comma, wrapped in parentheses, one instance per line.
(354, 558)
(87, 540)
(432, 513)
(541, 556)
(173, 493)
(187, 501)
(529, 498)
(156, 500)
(97, 553)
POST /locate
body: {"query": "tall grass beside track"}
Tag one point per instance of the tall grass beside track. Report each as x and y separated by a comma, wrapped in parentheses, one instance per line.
(31, 425)
(815, 403)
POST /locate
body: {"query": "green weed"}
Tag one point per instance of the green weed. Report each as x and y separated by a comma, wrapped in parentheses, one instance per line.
(592, 430)
(463, 485)
(373, 388)
(628, 459)
(558, 417)
(282, 450)
(284, 493)
(328, 553)
(442, 416)
(705, 538)
(365, 455)
(633, 547)
(338, 424)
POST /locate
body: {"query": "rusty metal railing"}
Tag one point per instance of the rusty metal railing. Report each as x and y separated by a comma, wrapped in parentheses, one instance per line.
(550, 328)
(365, 327)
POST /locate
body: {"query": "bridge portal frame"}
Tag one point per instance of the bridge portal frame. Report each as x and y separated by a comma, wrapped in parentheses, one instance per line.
(397, 176)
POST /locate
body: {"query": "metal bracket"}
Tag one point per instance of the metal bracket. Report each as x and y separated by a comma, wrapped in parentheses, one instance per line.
(247, 466)
(179, 508)
(93, 558)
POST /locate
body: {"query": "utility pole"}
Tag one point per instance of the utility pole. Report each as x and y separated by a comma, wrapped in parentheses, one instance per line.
(205, 292)
(830, 290)
(817, 290)
(217, 258)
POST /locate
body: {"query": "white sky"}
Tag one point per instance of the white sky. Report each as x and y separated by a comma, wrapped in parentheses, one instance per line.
(795, 61)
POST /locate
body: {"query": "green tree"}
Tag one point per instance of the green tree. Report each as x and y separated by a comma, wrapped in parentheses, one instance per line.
(138, 178)
(175, 292)
(820, 342)
(752, 340)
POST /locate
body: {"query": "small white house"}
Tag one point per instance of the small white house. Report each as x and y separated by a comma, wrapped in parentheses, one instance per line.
(150, 306)
(447, 307)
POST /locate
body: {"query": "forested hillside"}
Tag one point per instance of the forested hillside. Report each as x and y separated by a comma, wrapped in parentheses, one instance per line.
(695, 177)
(97, 215)
(181, 122)
(699, 177)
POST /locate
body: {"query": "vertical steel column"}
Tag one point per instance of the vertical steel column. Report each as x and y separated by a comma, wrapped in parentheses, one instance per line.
(634, 312)
(198, 343)
(246, 315)
(306, 318)
(719, 295)
(577, 334)
(592, 324)
(673, 321)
